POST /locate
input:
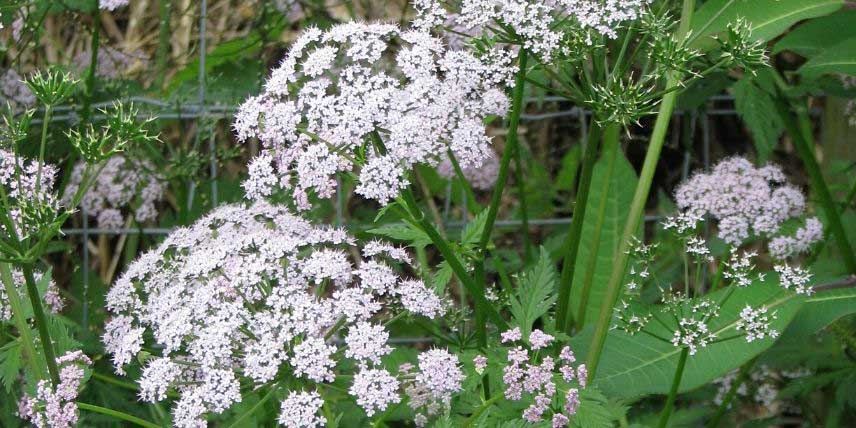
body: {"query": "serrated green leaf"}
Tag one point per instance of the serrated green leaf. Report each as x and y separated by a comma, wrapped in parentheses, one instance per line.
(819, 311)
(593, 411)
(11, 363)
(403, 232)
(758, 111)
(535, 293)
(473, 230)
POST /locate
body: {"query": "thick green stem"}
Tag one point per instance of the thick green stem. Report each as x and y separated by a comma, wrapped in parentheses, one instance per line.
(637, 206)
(42, 144)
(478, 412)
(117, 414)
(26, 337)
(41, 322)
(610, 154)
(673, 392)
(571, 245)
(511, 142)
(91, 73)
(729, 396)
(799, 129)
(521, 197)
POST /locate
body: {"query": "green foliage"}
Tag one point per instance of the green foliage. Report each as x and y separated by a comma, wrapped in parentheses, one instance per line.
(817, 35)
(637, 365)
(535, 293)
(619, 196)
(406, 232)
(769, 18)
(11, 363)
(758, 111)
(838, 58)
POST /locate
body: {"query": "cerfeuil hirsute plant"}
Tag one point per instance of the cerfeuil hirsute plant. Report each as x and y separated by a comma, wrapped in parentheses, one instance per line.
(30, 219)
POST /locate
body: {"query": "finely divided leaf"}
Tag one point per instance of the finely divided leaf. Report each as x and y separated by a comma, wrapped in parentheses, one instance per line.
(535, 293)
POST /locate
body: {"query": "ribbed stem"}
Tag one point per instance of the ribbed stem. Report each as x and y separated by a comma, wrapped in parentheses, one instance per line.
(673, 392)
(41, 322)
(27, 341)
(117, 414)
(637, 206)
(571, 245)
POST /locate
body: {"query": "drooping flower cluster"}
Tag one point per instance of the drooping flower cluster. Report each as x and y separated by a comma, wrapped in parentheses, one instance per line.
(15, 91)
(480, 177)
(29, 190)
(430, 385)
(247, 292)
(332, 106)
(124, 184)
(55, 407)
(528, 376)
(748, 201)
(51, 294)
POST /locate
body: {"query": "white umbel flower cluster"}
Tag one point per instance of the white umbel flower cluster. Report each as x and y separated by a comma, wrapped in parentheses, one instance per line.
(373, 98)
(248, 293)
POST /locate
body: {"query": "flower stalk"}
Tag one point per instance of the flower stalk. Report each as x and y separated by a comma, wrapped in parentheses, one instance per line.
(41, 322)
(21, 323)
(117, 414)
(637, 206)
(673, 392)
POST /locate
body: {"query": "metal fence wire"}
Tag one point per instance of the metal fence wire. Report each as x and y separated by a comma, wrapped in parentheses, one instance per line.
(200, 112)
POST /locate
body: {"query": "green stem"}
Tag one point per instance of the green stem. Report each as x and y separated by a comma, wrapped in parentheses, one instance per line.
(482, 305)
(610, 153)
(799, 128)
(117, 414)
(23, 328)
(673, 392)
(93, 65)
(637, 206)
(43, 142)
(253, 409)
(493, 208)
(41, 322)
(478, 412)
(510, 144)
(521, 197)
(571, 245)
(732, 392)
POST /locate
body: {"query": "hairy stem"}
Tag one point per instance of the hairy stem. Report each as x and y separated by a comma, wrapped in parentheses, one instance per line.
(41, 322)
(673, 392)
(637, 206)
(571, 245)
(117, 414)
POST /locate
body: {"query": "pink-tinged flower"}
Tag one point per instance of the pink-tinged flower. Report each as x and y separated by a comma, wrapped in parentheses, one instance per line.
(374, 389)
(55, 407)
(512, 335)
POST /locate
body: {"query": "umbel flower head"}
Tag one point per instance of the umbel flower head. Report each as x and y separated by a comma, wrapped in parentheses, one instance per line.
(372, 98)
(54, 406)
(256, 294)
(748, 201)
